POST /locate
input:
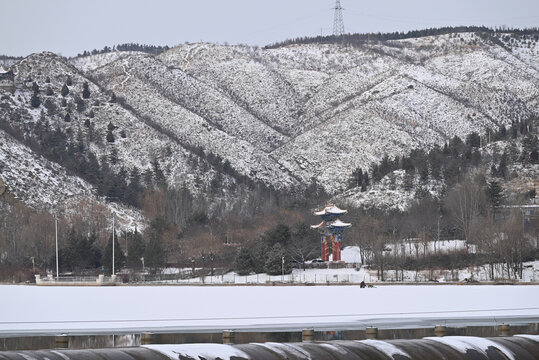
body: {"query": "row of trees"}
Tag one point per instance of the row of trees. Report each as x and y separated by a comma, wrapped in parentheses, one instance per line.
(274, 250)
(360, 39)
(456, 157)
(150, 49)
(85, 240)
(470, 211)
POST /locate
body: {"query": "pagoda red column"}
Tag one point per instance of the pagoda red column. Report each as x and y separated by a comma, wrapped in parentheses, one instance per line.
(324, 248)
(336, 250)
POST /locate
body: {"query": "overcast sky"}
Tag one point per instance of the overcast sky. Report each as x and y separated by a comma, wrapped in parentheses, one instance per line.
(69, 27)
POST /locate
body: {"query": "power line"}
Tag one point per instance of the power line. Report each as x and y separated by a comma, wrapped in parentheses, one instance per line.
(338, 23)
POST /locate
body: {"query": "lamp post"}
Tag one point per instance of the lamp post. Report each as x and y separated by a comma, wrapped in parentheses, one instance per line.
(282, 269)
(56, 232)
(142, 259)
(113, 231)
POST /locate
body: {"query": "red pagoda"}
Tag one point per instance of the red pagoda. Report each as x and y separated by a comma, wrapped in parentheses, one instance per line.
(331, 229)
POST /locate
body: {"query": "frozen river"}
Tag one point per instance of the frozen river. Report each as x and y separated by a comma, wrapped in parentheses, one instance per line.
(32, 310)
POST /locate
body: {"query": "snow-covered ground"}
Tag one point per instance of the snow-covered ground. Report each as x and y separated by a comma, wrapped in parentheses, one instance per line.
(355, 272)
(72, 310)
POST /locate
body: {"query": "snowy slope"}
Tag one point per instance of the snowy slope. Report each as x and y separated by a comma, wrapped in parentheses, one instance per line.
(284, 116)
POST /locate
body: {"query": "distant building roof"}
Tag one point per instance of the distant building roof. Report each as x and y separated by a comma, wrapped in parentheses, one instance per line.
(331, 210)
(339, 224)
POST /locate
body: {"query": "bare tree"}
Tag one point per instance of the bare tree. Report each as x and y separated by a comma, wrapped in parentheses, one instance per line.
(467, 201)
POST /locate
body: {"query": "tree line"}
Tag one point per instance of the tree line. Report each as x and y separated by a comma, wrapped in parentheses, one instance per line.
(361, 39)
(455, 158)
(150, 49)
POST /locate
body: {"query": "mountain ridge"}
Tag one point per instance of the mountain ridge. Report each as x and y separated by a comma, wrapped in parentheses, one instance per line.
(283, 117)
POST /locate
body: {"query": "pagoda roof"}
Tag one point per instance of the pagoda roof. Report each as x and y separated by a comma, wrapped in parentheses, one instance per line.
(330, 210)
(339, 224)
(319, 226)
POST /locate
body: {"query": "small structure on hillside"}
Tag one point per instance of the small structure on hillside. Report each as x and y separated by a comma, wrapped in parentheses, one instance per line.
(331, 229)
(7, 80)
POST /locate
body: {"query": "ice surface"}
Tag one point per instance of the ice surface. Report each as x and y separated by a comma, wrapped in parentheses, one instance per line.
(34, 309)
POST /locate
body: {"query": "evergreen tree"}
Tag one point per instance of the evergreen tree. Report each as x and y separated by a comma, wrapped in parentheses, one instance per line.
(244, 264)
(35, 101)
(279, 234)
(366, 181)
(435, 163)
(134, 189)
(67, 117)
(503, 171)
(136, 250)
(69, 81)
(64, 91)
(494, 193)
(110, 136)
(274, 261)
(356, 179)
(154, 255)
(35, 88)
(158, 175)
(85, 90)
(473, 140)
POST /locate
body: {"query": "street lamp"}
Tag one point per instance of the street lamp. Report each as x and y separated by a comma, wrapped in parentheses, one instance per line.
(282, 269)
(142, 259)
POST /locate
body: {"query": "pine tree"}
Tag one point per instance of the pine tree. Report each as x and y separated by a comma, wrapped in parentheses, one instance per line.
(64, 91)
(494, 193)
(35, 88)
(69, 81)
(134, 189)
(243, 264)
(110, 136)
(136, 250)
(85, 90)
(159, 176)
(274, 261)
(473, 140)
(35, 101)
(356, 179)
(154, 255)
(366, 182)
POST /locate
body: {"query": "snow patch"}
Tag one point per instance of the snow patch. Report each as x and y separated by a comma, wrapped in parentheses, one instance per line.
(208, 351)
(385, 347)
(465, 343)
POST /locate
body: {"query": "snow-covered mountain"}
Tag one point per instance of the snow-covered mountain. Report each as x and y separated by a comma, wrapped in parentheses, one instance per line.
(284, 117)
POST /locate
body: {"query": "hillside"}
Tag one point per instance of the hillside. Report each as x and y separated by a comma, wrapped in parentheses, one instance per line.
(207, 115)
